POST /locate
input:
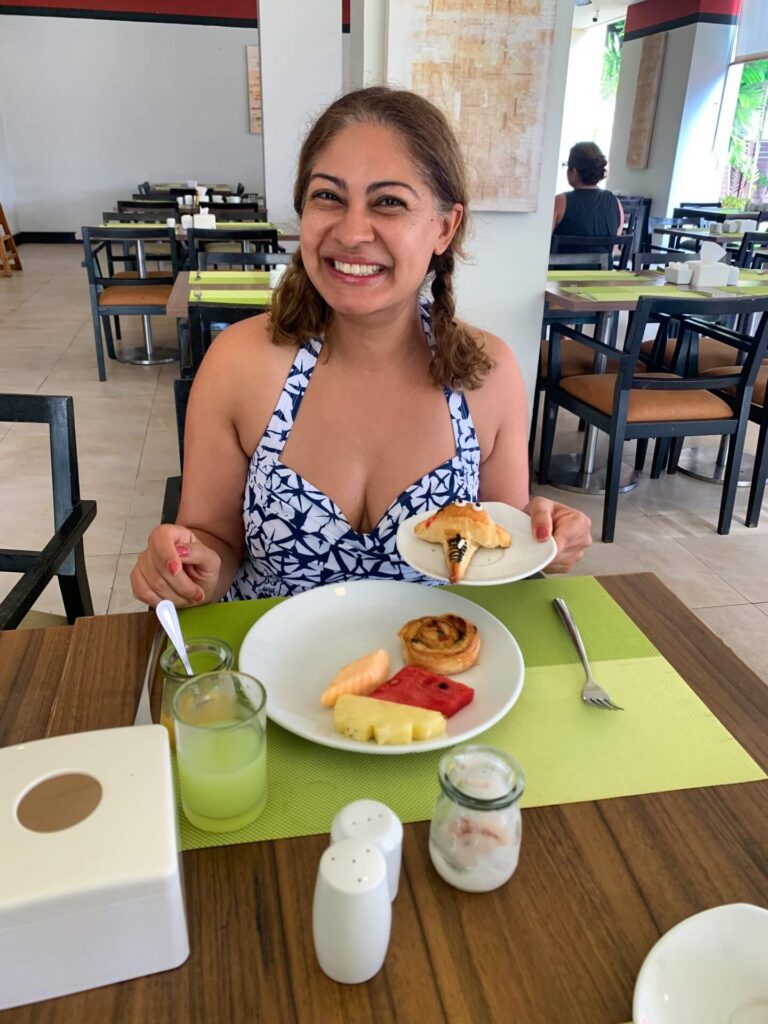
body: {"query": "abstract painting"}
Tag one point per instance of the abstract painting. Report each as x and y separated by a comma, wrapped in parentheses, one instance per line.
(254, 89)
(486, 66)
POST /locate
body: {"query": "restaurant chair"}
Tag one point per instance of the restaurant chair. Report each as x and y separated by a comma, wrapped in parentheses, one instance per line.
(590, 244)
(63, 556)
(240, 190)
(172, 496)
(652, 260)
(144, 188)
(631, 404)
(256, 260)
(124, 293)
(752, 252)
(142, 205)
(230, 240)
(206, 321)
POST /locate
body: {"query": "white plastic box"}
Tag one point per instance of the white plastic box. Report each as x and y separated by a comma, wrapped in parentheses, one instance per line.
(708, 275)
(101, 900)
(678, 273)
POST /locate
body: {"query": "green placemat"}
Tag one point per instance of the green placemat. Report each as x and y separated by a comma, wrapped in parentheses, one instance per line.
(135, 224)
(265, 225)
(591, 275)
(199, 278)
(666, 739)
(660, 291)
(244, 297)
(753, 288)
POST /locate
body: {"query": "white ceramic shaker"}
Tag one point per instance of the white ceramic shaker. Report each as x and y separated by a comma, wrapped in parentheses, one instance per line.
(352, 911)
(373, 822)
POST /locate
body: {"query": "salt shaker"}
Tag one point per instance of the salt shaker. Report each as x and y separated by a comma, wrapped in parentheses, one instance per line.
(373, 822)
(352, 911)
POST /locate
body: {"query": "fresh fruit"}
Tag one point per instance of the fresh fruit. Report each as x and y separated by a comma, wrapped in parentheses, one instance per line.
(423, 689)
(359, 676)
(363, 718)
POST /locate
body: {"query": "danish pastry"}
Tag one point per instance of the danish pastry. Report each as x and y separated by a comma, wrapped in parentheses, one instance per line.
(445, 644)
(462, 528)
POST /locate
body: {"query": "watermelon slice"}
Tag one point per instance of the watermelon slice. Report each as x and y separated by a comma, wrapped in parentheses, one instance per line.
(423, 689)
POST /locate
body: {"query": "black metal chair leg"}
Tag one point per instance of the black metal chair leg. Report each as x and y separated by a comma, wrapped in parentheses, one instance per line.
(534, 421)
(75, 591)
(548, 424)
(118, 333)
(757, 488)
(660, 452)
(97, 340)
(731, 480)
(108, 338)
(641, 450)
(675, 451)
(612, 479)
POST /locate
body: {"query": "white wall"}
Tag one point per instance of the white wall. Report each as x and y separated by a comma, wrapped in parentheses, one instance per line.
(7, 189)
(502, 288)
(301, 74)
(683, 165)
(93, 107)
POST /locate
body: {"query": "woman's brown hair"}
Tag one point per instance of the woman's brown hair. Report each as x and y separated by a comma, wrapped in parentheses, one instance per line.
(588, 160)
(299, 312)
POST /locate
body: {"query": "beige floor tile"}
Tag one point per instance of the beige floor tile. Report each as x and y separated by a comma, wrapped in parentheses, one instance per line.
(762, 607)
(741, 559)
(122, 599)
(742, 628)
(160, 457)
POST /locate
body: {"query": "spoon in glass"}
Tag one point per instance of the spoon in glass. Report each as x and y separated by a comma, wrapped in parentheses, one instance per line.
(169, 620)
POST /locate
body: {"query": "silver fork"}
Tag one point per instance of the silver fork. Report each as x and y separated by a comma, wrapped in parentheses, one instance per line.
(592, 693)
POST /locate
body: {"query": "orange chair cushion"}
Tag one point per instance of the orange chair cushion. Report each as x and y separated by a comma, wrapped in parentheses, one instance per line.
(142, 295)
(596, 389)
(711, 352)
(758, 395)
(575, 359)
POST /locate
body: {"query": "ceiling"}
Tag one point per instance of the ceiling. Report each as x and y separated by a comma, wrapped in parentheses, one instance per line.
(600, 13)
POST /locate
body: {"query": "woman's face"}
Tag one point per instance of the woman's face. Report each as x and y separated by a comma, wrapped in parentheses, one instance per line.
(370, 225)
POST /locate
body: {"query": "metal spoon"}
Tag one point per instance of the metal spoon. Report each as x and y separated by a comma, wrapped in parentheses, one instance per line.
(169, 620)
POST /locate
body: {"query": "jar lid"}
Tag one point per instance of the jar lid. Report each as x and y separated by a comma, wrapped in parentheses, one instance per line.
(485, 778)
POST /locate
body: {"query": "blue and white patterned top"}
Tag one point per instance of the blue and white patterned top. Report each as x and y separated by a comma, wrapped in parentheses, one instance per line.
(297, 538)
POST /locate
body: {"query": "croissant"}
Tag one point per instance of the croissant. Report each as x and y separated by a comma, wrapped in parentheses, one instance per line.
(462, 528)
(445, 644)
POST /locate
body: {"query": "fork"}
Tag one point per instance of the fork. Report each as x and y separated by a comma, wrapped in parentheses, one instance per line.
(592, 693)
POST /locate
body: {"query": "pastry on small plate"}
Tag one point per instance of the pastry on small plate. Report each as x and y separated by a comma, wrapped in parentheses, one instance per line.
(445, 644)
(462, 528)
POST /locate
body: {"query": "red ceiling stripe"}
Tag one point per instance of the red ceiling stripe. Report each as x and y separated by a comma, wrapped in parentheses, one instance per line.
(641, 17)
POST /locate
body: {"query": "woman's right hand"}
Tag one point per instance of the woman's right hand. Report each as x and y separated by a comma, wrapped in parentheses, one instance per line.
(177, 566)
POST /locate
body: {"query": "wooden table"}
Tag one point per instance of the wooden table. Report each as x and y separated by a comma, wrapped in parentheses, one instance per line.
(178, 300)
(557, 296)
(598, 882)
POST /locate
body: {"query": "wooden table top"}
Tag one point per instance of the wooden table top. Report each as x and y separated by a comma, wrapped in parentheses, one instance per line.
(178, 301)
(598, 882)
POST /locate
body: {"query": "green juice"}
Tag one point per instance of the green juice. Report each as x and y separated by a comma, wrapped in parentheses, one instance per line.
(223, 776)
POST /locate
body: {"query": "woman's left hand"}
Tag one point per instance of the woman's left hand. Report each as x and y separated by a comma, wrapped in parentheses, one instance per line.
(569, 527)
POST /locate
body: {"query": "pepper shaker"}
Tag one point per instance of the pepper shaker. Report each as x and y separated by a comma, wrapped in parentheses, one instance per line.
(351, 912)
(373, 822)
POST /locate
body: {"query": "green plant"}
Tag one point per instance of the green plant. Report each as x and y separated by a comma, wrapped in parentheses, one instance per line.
(748, 125)
(614, 37)
(732, 202)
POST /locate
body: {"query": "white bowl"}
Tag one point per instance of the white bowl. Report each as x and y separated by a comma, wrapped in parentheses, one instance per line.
(711, 968)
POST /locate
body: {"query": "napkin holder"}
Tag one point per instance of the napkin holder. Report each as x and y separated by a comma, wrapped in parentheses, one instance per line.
(678, 273)
(90, 873)
(204, 220)
(708, 271)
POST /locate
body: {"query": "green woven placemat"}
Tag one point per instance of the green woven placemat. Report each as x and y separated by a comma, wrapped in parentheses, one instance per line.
(660, 291)
(199, 278)
(244, 297)
(263, 224)
(591, 275)
(752, 289)
(666, 739)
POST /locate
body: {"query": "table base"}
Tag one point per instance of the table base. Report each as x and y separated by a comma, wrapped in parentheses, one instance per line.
(140, 357)
(565, 472)
(701, 464)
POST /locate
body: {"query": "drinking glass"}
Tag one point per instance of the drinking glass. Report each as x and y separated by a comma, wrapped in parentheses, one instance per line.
(206, 654)
(221, 750)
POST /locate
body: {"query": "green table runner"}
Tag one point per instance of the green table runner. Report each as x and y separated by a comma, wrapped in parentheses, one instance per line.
(666, 739)
(199, 278)
(264, 225)
(591, 275)
(620, 294)
(243, 297)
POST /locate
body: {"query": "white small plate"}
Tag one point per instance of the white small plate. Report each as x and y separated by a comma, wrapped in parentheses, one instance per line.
(711, 968)
(297, 647)
(489, 566)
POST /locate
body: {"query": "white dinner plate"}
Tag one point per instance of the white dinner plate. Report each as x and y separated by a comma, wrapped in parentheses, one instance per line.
(711, 968)
(297, 647)
(522, 558)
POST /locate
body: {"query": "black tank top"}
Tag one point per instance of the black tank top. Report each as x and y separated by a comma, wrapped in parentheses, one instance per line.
(588, 211)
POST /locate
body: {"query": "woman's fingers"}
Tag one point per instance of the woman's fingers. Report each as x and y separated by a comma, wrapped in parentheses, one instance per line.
(175, 566)
(151, 588)
(570, 529)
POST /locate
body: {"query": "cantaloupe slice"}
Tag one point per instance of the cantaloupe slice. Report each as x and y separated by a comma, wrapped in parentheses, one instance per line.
(359, 676)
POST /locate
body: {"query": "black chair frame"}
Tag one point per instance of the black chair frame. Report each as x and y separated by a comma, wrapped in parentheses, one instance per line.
(588, 245)
(615, 424)
(258, 239)
(63, 556)
(202, 316)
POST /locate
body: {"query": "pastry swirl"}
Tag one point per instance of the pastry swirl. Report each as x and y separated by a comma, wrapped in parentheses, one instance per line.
(441, 643)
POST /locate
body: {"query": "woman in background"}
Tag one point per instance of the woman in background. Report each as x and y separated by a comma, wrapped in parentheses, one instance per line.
(587, 210)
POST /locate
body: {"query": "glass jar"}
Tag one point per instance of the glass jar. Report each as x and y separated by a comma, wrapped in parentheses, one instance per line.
(206, 654)
(476, 828)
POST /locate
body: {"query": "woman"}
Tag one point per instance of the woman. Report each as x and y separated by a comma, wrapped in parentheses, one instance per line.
(587, 210)
(307, 428)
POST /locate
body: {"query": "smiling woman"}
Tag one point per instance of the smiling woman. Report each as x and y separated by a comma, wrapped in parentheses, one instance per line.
(313, 432)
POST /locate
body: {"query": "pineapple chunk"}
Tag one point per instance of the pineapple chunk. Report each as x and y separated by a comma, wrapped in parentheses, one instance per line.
(365, 718)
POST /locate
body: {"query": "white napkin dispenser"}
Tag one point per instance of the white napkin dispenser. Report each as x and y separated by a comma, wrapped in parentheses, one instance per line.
(90, 872)
(204, 220)
(678, 273)
(708, 275)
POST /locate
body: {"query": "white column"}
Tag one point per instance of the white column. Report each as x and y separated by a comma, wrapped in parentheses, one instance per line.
(301, 74)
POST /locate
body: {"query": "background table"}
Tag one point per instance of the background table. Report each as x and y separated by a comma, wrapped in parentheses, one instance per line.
(598, 882)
